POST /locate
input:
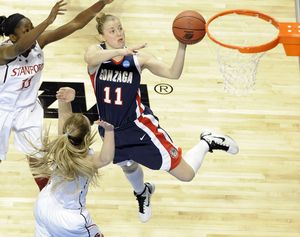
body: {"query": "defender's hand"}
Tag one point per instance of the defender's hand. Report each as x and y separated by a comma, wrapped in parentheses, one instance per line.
(56, 10)
(107, 126)
(65, 94)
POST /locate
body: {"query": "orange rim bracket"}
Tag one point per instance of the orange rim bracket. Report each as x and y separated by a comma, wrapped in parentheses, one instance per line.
(289, 36)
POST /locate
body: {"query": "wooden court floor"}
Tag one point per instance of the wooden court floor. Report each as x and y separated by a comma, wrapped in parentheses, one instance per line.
(253, 194)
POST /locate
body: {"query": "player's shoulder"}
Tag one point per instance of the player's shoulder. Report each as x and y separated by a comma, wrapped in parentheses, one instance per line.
(93, 48)
(143, 56)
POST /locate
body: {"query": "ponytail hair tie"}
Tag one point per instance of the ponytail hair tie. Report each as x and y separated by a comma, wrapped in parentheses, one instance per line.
(73, 140)
(67, 134)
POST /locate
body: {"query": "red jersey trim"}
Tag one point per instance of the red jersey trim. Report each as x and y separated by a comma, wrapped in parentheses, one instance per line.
(92, 77)
(139, 104)
(117, 62)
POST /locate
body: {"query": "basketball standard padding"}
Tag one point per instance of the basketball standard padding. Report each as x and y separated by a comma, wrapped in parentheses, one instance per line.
(189, 27)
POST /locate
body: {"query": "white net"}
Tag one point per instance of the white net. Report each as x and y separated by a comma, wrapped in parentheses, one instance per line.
(239, 69)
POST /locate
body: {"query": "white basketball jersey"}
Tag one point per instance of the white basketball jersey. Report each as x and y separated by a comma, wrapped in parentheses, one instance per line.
(72, 194)
(20, 79)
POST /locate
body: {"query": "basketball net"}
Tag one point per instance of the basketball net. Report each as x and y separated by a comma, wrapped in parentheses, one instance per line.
(239, 69)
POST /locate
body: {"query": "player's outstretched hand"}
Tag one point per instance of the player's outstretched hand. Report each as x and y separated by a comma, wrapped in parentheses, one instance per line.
(107, 126)
(65, 94)
(134, 50)
(56, 10)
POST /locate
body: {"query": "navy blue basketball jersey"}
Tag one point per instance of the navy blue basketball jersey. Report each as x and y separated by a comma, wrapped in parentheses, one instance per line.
(116, 85)
(138, 136)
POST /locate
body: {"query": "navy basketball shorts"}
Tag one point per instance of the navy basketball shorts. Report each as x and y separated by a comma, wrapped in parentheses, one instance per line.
(146, 143)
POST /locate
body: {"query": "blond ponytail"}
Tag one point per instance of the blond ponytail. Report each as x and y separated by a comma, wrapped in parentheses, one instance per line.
(67, 155)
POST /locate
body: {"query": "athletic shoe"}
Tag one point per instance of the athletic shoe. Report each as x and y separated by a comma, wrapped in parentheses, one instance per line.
(144, 202)
(220, 142)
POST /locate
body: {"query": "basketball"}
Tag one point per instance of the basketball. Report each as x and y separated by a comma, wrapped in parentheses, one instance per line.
(189, 27)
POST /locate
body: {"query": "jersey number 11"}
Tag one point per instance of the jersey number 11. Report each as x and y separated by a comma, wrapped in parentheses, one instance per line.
(118, 92)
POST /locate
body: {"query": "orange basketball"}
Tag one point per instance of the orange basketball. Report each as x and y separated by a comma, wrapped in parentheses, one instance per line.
(189, 27)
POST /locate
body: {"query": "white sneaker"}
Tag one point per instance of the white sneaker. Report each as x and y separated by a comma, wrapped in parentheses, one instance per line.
(220, 142)
(144, 202)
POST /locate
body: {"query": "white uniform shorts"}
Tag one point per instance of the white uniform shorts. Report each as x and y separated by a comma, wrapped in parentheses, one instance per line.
(27, 124)
(53, 220)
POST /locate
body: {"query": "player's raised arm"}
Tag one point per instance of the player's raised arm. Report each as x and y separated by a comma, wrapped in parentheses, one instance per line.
(186, 21)
(81, 20)
(94, 55)
(64, 95)
(158, 68)
(107, 152)
(24, 36)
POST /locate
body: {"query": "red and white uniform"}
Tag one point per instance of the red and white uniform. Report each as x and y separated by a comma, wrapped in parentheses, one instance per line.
(60, 210)
(19, 107)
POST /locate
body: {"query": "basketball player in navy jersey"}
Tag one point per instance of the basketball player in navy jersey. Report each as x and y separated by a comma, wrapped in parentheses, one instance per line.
(21, 64)
(115, 72)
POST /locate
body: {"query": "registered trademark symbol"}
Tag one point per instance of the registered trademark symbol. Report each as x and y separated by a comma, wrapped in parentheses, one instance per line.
(163, 89)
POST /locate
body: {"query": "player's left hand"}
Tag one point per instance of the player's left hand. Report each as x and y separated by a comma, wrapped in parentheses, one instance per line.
(65, 94)
(107, 126)
(133, 50)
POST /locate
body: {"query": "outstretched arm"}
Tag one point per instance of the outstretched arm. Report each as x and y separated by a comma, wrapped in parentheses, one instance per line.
(161, 69)
(8, 52)
(81, 20)
(65, 95)
(107, 152)
(94, 55)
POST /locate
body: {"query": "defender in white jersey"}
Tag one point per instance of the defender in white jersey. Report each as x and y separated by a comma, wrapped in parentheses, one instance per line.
(60, 209)
(19, 107)
(21, 64)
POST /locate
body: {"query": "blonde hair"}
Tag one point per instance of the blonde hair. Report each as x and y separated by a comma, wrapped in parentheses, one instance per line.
(101, 18)
(67, 155)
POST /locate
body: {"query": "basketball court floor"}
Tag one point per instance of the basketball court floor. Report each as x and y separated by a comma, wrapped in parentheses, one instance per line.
(255, 193)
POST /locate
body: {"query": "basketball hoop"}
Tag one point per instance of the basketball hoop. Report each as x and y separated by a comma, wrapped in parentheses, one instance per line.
(244, 36)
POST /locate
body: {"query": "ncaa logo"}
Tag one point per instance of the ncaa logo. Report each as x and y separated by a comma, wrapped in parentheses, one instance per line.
(126, 64)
